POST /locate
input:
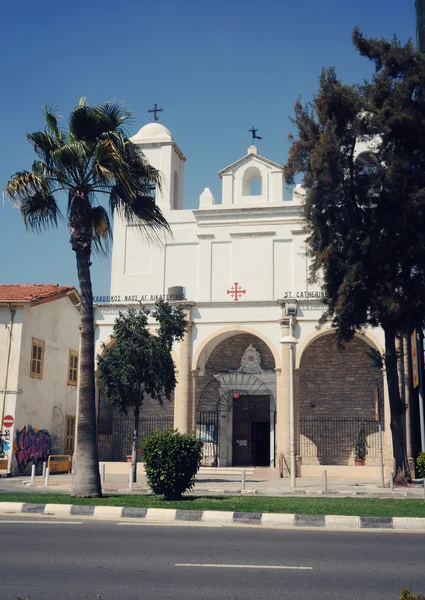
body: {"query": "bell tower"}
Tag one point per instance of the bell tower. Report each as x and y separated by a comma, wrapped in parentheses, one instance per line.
(162, 152)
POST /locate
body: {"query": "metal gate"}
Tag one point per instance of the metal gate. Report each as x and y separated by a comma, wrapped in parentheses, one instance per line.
(207, 430)
(115, 434)
(236, 413)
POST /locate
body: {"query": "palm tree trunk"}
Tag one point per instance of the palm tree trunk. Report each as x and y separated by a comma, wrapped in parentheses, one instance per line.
(135, 440)
(396, 407)
(86, 479)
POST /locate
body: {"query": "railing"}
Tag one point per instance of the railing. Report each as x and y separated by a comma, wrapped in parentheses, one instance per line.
(115, 434)
(330, 441)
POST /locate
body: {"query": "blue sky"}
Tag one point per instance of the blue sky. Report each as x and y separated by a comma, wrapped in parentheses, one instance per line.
(216, 68)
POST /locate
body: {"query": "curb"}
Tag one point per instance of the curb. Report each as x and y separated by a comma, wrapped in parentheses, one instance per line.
(216, 517)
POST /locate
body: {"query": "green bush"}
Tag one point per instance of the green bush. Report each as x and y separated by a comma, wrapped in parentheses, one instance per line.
(407, 594)
(420, 464)
(361, 445)
(172, 460)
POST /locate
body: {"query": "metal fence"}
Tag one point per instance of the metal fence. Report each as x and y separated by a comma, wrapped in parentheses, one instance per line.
(330, 441)
(207, 429)
(115, 434)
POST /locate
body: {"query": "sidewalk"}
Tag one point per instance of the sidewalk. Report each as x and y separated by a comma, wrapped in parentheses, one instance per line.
(261, 482)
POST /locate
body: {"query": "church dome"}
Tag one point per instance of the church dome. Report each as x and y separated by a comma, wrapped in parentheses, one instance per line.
(152, 133)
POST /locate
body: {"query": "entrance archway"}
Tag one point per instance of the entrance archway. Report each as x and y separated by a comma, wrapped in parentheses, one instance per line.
(236, 420)
(336, 401)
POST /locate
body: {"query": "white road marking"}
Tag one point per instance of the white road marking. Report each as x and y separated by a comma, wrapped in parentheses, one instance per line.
(43, 522)
(216, 566)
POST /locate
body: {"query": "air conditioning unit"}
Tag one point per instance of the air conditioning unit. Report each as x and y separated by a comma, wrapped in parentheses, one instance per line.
(291, 309)
(176, 293)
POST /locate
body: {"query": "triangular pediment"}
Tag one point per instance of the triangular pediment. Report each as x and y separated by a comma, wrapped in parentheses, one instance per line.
(253, 159)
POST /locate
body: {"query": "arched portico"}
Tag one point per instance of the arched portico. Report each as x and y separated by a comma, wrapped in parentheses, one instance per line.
(206, 347)
(235, 399)
(366, 336)
(336, 390)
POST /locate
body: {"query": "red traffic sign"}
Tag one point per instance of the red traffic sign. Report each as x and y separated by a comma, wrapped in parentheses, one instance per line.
(8, 421)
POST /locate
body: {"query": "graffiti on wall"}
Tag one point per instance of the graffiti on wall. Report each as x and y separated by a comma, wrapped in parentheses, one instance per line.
(4, 443)
(32, 445)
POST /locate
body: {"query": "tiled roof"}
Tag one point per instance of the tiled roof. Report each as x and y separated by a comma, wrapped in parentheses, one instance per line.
(29, 293)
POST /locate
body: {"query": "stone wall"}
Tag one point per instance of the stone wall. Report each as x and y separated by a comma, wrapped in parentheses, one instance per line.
(337, 383)
(227, 357)
(152, 408)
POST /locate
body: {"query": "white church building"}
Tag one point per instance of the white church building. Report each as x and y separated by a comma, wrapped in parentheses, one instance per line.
(238, 265)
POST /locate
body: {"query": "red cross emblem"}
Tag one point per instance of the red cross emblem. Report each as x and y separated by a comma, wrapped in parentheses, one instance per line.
(236, 291)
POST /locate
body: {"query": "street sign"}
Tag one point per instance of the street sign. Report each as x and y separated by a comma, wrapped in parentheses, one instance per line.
(8, 421)
(415, 366)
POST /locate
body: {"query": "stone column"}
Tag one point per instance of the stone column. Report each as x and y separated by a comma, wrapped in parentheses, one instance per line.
(282, 406)
(297, 394)
(194, 398)
(183, 391)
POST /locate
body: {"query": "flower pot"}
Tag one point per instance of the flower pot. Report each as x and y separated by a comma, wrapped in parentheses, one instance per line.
(129, 457)
(359, 462)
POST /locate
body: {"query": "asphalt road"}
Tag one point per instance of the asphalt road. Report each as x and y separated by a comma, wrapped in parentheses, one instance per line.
(65, 559)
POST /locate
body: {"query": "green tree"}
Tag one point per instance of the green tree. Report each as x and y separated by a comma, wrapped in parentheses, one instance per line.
(137, 363)
(92, 161)
(365, 212)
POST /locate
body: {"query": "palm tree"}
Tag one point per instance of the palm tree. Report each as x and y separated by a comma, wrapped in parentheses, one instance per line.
(94, 160)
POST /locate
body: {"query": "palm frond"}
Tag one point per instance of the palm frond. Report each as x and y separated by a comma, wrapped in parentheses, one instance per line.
(129, 166)
(43, 143)
(113, 115)
(101, 230)
(142, 212)
(90, 122)
(109, 159)
(76, 154)
(51, 117)
(40, 212)
(25, 184)
(40, 168)
(31, 192)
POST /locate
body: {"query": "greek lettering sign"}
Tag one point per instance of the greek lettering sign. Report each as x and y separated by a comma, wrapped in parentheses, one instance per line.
(124, 298)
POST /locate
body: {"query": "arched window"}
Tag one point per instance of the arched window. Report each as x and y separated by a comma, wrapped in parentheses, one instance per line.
(176, 191)
(255, 189)
(252, 182)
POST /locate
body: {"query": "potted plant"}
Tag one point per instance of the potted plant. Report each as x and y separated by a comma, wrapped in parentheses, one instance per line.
(360, 448)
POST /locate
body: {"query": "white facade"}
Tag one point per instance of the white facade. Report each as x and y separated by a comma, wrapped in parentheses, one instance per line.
(241, 265)
(39, 403)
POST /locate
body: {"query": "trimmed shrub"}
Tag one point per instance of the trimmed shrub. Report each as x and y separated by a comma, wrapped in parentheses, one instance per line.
(420, 464)
(172, 460)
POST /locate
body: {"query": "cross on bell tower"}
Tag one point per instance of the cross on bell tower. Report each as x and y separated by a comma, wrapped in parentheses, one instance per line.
(155, 110)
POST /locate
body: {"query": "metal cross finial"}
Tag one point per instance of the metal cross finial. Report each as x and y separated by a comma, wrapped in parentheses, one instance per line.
(155, 110)
(254, 133)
